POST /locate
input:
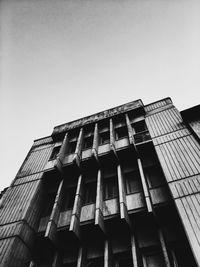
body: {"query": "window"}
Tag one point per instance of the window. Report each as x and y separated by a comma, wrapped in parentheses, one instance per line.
(54, 152)
(142, 137)
(110, 187)
(89, 193)
(119, 121)
(141, 132)
(135, 116)
(154, 176)
(133, 182)
(73, 137)
(88, 142)
(68, 200)
(104, 138)
(121, 132)
(125, 262)
(104, 132)
(88, 136)
(153, 259)
(120, 127)
(95, 263)
(139, 126)
(71, 147)
(124, 259)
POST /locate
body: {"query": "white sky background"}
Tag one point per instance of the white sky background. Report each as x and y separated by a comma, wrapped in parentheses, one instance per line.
(65, 59)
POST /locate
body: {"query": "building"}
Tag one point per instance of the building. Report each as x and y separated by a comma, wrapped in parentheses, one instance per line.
(118, 188)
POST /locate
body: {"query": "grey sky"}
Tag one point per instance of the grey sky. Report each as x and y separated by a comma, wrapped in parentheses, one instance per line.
(61, 60)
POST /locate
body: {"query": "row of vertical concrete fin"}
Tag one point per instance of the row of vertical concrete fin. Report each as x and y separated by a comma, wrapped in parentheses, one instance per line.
(51, 229)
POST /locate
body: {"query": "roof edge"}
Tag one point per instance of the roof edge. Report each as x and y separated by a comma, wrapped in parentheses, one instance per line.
(98, 116)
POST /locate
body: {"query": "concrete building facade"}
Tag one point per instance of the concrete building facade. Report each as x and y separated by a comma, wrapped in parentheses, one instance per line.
(119, 188)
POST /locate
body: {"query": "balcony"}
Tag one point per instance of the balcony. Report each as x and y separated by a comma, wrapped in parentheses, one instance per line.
(142, 137)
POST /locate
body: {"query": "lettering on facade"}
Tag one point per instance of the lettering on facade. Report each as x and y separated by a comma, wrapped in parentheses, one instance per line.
(99, 116)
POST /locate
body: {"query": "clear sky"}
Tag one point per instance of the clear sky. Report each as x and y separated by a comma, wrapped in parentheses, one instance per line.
(65, 59)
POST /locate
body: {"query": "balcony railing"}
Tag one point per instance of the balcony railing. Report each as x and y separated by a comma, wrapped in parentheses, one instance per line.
(142, 137)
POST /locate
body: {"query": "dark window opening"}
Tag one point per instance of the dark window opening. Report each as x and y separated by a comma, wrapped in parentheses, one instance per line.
(124, 259)
(68, 200)
(95, 263)
(125, 262)
(139, 126)
(88, 142)
(104, 132)
(73, 134)
(104, 138)
(154, 176)
(133, 182)
(71, 147)
(141, 132)
(110, 188)
(121, 132)
(54, 153)
(88, 130)
(49, 202)
(154, 259)
(89, 193)
(104, 126)
(119, 121)
(142, 137)
(73, 137)
(135, 116)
